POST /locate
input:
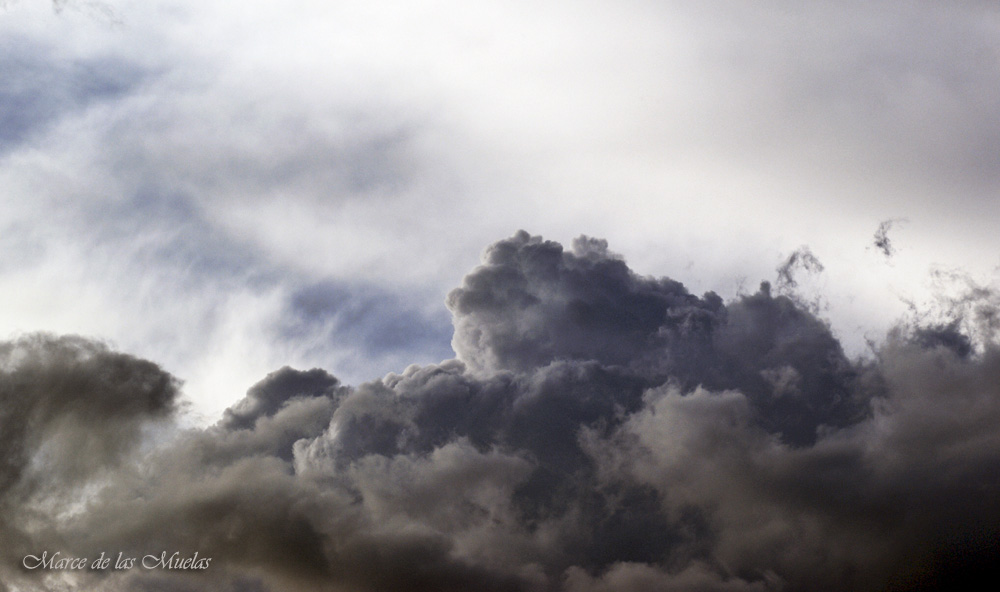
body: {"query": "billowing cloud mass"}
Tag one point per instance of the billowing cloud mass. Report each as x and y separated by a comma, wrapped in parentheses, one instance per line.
(598, 431)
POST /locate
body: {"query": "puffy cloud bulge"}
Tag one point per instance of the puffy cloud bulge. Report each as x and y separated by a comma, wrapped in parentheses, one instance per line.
(598, 430)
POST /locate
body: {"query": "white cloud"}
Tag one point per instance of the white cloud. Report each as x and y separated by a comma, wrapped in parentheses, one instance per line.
(387, 143)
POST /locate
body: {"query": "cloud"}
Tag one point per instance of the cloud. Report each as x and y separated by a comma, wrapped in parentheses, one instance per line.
(76, 402)
(43, 88)
(179, 149)
(881, 238)
(72, 413)
(801, 259)
(599, 430)
(532, 304)
(227, 192)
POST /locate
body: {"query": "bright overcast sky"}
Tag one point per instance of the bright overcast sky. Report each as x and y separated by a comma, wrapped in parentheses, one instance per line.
(227, 188)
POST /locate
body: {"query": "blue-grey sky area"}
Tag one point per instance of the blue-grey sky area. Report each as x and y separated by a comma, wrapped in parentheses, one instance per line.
(656, 295)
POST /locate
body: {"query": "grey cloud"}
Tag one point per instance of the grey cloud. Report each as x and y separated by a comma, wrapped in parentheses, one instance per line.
(84, 401)
(900, 501)
(800, 259)
(72, 411)
(639, 577)
(881, 239)
(890, 91)
(631, 436)
(531, 303)
(261, 149)
(40, 88)
(267, 397)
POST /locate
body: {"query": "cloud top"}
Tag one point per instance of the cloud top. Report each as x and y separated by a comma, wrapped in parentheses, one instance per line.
(599, 430)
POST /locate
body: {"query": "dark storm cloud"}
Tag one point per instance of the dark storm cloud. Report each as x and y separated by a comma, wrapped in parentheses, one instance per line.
(271, 394)
(91, 400)
(599, 431)
(71, 410)
(531, 304)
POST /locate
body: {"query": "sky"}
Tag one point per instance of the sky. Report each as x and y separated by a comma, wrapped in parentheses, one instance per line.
(354, 254)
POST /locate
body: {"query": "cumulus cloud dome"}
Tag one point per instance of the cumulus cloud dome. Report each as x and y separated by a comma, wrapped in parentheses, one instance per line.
(599, 430)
